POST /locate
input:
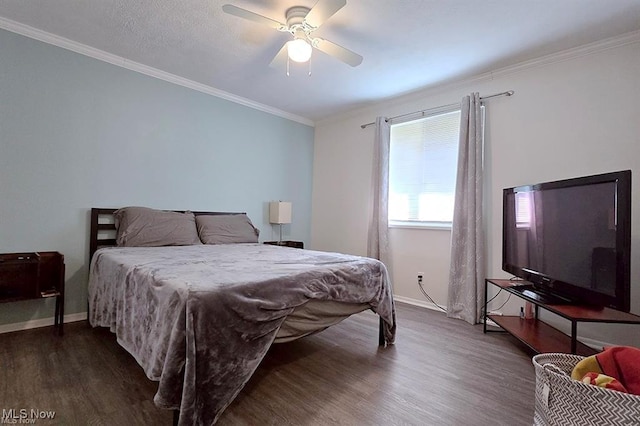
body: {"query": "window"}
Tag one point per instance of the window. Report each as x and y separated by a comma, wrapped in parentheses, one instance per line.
(422, 170)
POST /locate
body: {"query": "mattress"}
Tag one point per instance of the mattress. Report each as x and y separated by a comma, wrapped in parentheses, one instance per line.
(199, 319)
(315, 316)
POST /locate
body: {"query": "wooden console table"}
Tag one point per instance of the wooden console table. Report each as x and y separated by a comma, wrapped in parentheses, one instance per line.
(542, 337)
(34, 275)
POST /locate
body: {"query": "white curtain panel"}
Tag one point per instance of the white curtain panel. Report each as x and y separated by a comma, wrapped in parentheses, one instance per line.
(466, 277)
(378, 241)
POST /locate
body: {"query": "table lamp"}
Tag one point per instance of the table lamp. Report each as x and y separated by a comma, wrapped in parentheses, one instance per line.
(280, 213)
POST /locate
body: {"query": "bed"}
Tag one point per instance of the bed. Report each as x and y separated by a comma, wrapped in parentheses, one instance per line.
(199, 318)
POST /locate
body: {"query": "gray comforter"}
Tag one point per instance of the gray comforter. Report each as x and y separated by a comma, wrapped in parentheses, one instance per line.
(199, 319)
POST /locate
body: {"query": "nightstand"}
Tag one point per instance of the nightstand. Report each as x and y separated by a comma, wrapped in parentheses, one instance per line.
(294, 244)
(33, 276)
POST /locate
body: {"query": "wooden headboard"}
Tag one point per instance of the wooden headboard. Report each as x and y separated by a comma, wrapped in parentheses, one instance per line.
(103, 227)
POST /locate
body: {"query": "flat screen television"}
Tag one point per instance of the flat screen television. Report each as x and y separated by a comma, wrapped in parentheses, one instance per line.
(571, 239)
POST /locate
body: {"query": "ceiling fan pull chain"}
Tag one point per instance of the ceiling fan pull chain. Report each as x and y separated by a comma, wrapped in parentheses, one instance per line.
(288, 66)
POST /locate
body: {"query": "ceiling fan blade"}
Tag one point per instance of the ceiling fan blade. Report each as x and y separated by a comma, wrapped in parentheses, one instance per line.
(243, 13)
(322, 11)
(280, 59)
(339, 52)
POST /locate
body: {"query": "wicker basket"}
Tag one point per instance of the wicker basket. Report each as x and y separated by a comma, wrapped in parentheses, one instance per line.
(560, 400)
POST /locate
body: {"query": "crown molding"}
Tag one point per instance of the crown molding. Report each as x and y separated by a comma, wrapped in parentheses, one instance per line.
(65, 43)
(574, 53)
(446, 86)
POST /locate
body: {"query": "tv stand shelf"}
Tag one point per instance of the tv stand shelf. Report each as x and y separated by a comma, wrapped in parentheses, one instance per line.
(542, 337)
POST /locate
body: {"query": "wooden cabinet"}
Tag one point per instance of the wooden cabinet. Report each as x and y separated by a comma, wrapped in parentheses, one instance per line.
(32, 276)
(294, 244)
(542, 337)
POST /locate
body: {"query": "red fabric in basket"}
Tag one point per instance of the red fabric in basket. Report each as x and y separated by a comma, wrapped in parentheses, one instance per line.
(622, 363)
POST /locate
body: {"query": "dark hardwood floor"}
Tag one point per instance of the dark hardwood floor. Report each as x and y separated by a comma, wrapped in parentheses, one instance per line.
(439, 372)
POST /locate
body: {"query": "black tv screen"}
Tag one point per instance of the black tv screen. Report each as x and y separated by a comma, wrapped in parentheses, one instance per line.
(571, 239)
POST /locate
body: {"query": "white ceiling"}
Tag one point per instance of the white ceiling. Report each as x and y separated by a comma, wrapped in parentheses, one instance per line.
(406, 44)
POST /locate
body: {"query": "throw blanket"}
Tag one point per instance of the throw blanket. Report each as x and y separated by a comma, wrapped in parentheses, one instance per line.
(616, 367)
(199, 319)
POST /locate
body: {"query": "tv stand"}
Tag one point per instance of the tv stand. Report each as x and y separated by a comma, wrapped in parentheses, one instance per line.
(541, 337)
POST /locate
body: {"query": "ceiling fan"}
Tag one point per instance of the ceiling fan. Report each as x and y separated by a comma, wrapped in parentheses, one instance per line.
(301, 22)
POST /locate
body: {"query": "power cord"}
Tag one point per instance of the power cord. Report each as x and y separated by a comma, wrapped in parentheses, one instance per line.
(424, 292)
(497, 294)
(505, 302)
(427, 296)
(513, 278)
(484, 312)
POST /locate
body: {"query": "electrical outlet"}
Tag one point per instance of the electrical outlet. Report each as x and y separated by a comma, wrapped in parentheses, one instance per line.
(420, 275)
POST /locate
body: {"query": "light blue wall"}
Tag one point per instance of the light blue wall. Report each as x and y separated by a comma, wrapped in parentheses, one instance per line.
(77, 133)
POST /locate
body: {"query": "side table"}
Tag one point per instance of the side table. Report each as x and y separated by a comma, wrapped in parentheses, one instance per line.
(294, 244)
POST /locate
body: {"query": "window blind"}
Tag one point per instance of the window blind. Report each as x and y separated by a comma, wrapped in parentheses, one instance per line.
(422, 168)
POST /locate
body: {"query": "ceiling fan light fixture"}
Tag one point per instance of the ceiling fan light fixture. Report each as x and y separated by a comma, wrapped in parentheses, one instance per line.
(301, 23)
(299, 50)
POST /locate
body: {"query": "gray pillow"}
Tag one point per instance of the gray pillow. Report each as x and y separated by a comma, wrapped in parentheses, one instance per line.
(144, 227)
(226, 229)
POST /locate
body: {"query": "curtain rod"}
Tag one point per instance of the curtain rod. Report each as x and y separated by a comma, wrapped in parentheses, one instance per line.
(507, 93)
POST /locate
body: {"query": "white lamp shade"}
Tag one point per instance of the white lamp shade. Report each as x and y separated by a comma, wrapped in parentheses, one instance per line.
(299, 50)
(280, 212)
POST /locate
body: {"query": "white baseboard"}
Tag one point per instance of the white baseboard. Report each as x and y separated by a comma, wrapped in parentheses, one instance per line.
(416, 302)
(42, 322)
